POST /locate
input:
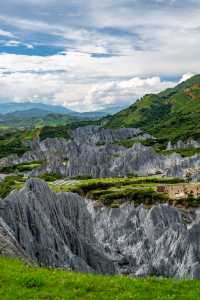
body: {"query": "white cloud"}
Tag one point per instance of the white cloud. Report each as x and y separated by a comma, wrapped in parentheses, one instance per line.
(69, 87)
(186, 77)
(6, 33)
(122, 92)
(12, 43)
(16, 43)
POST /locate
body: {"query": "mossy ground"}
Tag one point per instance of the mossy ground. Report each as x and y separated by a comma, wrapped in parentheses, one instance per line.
(22, 282)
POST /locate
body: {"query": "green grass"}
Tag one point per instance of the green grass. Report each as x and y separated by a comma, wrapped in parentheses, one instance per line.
(50, 177)
(23, 167)
(183, 152)
(11, 183)
(22, 282)
(127, 143)
(114, 191)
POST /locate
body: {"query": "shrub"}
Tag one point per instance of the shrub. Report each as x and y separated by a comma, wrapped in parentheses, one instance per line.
(50, 176)
(30, 281)
(23, 167)
(82, 177)
(9, 184)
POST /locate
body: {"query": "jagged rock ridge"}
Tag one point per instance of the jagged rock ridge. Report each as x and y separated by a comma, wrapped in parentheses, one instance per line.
(93, 151)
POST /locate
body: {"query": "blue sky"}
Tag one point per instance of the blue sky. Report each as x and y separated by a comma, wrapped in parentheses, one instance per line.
(89, 55)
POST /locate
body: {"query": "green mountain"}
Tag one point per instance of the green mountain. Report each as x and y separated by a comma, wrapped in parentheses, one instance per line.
(35, 118)
(170, 115)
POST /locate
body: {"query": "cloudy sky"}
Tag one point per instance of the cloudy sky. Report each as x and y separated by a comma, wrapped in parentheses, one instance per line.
(91, 54)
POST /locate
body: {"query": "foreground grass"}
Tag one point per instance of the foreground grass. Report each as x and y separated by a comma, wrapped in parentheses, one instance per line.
(19, 281)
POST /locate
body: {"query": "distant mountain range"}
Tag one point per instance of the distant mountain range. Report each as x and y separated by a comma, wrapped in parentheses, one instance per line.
(35, 118)
(39, 114)
(11, 107)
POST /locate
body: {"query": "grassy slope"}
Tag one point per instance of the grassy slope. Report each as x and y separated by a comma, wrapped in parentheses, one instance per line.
(21, 282)
(170, 115)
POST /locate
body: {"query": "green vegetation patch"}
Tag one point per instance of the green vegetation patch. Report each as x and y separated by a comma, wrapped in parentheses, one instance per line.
(23, 167)
(12, 143)
(50, 177)
(11, 183)
(140, 195)
(19, 281)
(183, 152)
(114, 191)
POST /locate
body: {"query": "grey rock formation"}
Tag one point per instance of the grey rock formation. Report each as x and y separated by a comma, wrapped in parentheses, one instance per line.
(190, 143)
(96, 134)
(54, 229)
(93, 151)
(2, 177)
(9, 246)
(149, 242)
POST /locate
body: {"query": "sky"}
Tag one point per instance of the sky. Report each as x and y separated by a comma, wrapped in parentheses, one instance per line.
(90, 55)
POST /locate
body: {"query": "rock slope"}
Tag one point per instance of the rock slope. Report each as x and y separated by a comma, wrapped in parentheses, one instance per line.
(9, 246)
(67, 231)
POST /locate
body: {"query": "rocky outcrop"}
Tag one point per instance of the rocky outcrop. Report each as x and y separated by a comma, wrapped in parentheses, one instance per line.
(93, 151)
(96, 134)
(147, 242)
(67, 231)
(2, 177)
(54, 229)
(190, 143)
(9, 246)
